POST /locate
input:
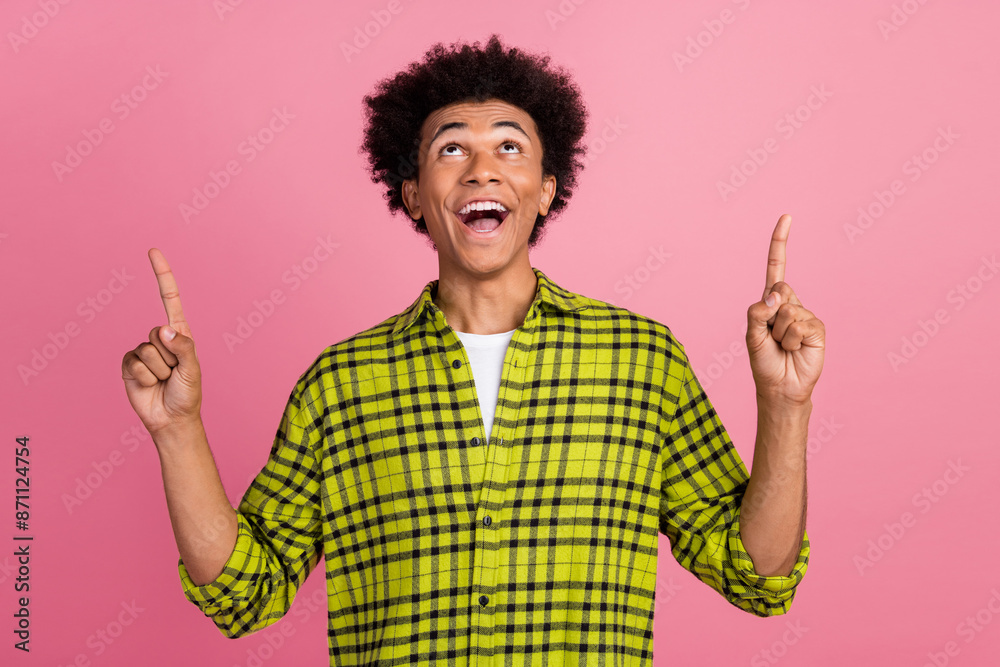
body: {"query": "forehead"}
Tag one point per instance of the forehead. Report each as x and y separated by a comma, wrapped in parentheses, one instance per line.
(476, 113)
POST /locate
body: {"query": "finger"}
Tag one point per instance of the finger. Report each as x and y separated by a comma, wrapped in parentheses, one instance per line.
(168, 356)
(786, 315)
(801, 334)
(133, 370)
(776, 253)
(758, 316)
(150, 356)
(787, 295)
(168, 291)
(182, 348)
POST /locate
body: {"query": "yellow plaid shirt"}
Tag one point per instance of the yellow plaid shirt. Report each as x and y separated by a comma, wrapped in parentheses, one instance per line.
(533, 544)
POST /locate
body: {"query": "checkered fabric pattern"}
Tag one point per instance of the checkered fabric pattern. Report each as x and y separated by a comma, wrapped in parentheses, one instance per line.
(533, 544)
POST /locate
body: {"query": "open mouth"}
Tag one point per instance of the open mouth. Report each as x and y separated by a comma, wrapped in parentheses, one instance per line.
(483, 217)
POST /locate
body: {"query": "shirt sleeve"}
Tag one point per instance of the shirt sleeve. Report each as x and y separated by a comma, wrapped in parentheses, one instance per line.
(279, 532)
(703, 482)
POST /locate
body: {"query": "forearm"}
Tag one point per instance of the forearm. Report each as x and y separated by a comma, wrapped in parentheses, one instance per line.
(203, 520)
(773, 511)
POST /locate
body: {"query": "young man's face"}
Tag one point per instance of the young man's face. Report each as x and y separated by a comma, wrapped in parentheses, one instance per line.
(472, 152)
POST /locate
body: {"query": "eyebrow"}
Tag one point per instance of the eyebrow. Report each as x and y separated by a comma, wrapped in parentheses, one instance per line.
(464, 126)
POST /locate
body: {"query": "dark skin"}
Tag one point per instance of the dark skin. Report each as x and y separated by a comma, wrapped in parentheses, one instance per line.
(486, 282)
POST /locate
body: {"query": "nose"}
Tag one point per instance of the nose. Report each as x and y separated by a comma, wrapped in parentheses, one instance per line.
(482, 168)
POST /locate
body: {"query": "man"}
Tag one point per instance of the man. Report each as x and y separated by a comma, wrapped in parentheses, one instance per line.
(487, 472)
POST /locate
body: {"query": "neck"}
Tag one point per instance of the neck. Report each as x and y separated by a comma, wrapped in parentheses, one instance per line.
(486, 304)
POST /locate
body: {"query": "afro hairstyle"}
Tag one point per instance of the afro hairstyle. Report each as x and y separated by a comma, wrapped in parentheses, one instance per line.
(399, 105)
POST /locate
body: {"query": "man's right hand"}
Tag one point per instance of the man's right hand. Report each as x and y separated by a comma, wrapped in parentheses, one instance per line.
(162, 377)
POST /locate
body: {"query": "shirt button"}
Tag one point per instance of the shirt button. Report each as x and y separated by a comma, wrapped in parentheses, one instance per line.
(475, 441)
(457, 363)
(484, 600)
(487, 521)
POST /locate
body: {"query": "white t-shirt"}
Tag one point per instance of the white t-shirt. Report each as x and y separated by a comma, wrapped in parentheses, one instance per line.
(486, 353)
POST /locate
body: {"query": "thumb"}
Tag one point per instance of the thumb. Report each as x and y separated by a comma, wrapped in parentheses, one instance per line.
(758, 316)
(182, 347)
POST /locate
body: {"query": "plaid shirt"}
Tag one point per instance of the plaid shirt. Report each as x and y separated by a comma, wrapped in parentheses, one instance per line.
(536, 544)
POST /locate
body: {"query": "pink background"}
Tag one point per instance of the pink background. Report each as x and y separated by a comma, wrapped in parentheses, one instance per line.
(662, 136)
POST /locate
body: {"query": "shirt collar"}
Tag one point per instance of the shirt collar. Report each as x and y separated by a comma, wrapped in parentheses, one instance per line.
(547, 292)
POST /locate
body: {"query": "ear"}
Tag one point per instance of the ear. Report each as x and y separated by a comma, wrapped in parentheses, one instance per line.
(548, 194)
(410, 198)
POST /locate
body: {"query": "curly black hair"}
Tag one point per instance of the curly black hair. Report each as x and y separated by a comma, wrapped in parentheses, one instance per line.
(395, 113)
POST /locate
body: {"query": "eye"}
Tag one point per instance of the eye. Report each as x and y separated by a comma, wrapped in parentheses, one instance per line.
(511, 142)
(445, 148)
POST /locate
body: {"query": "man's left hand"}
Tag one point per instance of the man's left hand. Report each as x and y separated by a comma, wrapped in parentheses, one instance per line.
(785, 341)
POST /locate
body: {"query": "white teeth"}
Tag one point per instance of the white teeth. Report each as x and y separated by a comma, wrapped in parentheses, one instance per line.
(482, 206)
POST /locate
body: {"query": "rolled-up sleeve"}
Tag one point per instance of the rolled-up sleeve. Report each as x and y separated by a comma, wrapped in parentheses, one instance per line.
(702, 486)
(278, 535)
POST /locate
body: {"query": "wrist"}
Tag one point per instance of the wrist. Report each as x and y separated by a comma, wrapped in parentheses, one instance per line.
(783, 428)
(179, 433)
(783, 406)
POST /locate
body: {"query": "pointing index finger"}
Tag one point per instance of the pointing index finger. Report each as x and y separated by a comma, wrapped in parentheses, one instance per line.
(168, 292)
(776, 253)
